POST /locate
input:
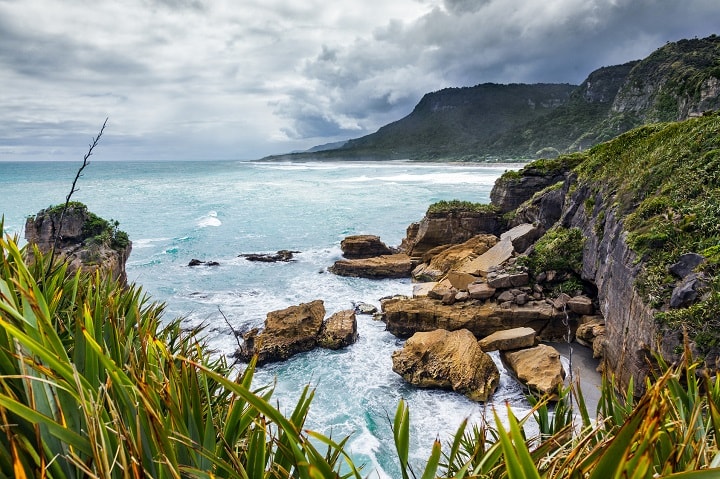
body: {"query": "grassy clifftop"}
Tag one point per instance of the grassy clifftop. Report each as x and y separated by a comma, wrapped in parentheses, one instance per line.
(664, 179)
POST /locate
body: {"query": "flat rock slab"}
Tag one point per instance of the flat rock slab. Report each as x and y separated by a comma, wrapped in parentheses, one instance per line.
(521, 236)
(421, 290)
(490, 260)
(509, 280)
(538, 368)
(404, 317)
(386, 266)
(460, 281)
(447, 360)
(516, 338)
(580, 305)
(480, 291)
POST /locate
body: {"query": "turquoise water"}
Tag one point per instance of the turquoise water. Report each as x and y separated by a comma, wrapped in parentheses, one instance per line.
(177, 211)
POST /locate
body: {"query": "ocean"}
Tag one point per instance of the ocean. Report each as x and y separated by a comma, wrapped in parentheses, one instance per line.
(217, 210)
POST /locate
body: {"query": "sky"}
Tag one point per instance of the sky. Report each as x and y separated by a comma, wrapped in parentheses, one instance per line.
(242, 79)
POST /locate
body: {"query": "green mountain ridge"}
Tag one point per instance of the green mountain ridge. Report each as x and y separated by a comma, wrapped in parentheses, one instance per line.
(499, 122)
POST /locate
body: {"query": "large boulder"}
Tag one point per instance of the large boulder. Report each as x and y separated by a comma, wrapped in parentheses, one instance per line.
(538, 368)
(86, 241)
(386, 266)
(447, 360)
(406, 316)
(363, 246)
(339, 330)
(516, 338)
(287, 332)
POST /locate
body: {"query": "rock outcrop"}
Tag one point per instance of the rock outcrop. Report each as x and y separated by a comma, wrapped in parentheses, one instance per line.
(84, 240)
(538, 368)
(452, 257)
(287, 332)
(387, 266)
(297, 329)
(363, 246)
(453, 227)
(511, 191)
(447, 360)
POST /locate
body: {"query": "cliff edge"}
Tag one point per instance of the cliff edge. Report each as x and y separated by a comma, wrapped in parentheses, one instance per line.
(648, 207)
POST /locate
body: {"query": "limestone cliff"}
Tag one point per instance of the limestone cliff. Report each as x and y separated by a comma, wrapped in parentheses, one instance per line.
(641, 201)
(83, 239)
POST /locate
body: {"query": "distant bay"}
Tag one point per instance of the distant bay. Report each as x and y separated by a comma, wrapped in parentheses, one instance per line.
(217, 210)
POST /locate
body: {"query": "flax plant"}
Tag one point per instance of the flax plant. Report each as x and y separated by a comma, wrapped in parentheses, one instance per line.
(92, 384)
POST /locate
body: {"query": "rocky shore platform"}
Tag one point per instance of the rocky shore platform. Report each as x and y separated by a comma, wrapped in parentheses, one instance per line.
(473, 293)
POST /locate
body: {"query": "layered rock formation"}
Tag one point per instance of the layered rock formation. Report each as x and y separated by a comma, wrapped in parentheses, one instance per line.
(447, 360)
(387, 266)
(364, 246)
(405, 317)
(81, 238)
(448, 227)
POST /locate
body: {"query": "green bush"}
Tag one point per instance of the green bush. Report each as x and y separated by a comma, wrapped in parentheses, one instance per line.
(560, 249)
(457, 206)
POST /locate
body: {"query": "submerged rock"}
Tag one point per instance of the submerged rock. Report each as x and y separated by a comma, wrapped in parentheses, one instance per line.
(447, 360)
(197, 262)
(283, 255)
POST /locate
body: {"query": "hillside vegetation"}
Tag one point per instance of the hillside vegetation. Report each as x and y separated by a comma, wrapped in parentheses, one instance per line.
(489, 121)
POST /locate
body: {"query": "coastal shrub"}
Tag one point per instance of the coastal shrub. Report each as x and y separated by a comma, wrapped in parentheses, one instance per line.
(663, 181)
(511, 175)
(559, 249)
(99, 230)
(457, 206)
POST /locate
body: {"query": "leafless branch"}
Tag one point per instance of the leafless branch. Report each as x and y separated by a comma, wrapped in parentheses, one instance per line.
(57, 232)
(235, 332)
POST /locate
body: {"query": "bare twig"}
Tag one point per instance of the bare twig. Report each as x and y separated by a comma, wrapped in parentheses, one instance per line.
(57, 232)
(235, 332)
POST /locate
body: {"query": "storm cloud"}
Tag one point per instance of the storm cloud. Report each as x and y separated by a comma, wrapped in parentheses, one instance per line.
(192, 79)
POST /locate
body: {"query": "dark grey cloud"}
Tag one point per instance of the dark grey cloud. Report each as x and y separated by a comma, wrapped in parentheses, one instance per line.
(188, 78)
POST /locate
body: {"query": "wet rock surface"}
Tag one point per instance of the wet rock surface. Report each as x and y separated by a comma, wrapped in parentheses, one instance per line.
(447, 360)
